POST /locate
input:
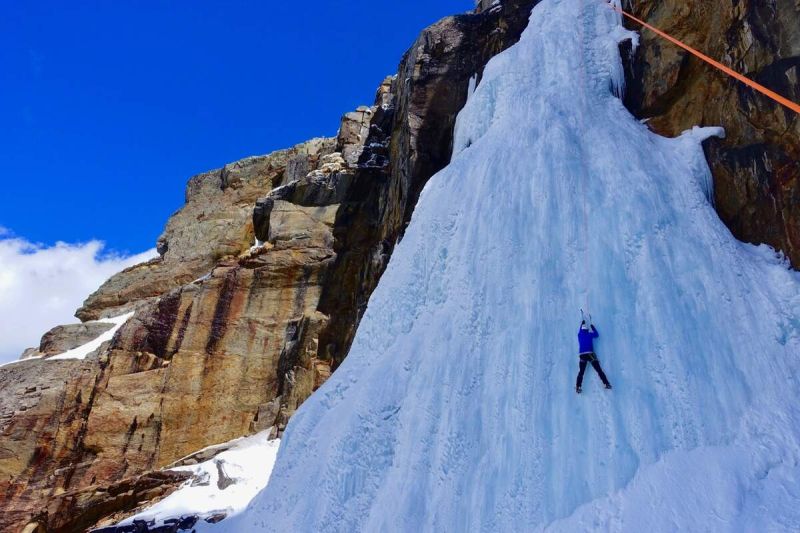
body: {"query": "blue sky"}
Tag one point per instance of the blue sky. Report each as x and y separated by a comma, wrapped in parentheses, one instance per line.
(107, 107)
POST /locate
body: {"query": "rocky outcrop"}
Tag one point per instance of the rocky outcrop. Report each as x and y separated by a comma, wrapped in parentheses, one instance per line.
(201, 352)
(214, 223)
(64, 338)
(61, 339)
(73, 511)
(756, 167)
(197, 365)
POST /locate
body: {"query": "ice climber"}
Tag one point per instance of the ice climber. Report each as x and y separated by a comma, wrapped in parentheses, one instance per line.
(586, 336)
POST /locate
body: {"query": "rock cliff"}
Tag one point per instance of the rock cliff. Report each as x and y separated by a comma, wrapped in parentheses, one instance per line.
(756, 167)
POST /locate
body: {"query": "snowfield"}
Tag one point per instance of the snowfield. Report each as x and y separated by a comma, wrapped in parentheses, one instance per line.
(455, 410)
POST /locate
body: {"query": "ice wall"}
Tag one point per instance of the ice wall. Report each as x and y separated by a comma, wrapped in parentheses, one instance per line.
(456, 410)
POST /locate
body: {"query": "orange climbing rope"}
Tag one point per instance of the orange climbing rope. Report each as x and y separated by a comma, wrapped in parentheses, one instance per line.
(727, 70)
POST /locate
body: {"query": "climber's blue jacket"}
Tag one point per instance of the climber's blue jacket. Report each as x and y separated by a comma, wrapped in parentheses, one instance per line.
(585, 339)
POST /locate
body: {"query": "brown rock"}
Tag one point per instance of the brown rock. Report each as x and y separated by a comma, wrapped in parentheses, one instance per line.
(81, 509)
(756, 167)
(43, 407)
(64, 338)
(214, 223)
(261, 215)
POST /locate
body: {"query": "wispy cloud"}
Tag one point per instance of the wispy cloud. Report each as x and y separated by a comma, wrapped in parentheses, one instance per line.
(41, 287)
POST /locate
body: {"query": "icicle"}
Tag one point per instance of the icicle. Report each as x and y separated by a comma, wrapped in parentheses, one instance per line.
(472, 84)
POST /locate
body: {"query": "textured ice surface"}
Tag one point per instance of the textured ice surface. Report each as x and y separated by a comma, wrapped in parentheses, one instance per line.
(455, 410)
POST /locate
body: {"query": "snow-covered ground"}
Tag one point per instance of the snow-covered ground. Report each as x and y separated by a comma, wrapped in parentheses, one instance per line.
(456, 411)
(223, 485)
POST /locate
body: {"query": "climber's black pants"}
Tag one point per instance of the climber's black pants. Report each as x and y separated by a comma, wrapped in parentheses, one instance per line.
(587, 358)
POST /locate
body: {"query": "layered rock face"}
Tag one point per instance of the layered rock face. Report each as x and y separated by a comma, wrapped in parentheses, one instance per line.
(194, 366)
(757, 167)
(214, 223)
(229, 338)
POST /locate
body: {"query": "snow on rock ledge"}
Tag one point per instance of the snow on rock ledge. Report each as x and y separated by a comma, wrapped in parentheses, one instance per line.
(82, 351)
(220, 487)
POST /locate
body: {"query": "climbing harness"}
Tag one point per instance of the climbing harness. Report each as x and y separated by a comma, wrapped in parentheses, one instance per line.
(727, 70)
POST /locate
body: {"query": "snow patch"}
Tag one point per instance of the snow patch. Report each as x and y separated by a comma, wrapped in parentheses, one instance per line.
(699, 134)
(82, 351)
(222, 485)
(473, 82)
(207, 275)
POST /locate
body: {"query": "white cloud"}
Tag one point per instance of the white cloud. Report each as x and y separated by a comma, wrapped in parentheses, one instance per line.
(41, 287)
